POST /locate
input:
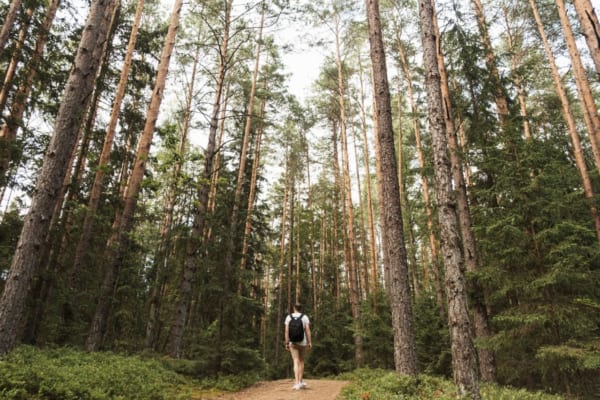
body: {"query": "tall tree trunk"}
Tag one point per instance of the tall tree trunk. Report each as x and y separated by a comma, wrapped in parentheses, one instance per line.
(347, 194)
(35, 229)
(9, 130)
(487, 362)
(175, 340)
(284, 212)
(313, 257)
(590, 111)
(364, 287)
(464, 359)
(433, 245)
(9, 21)
(237, 198)
(369, 190)
(380, 198)
(404, 338)
(591, 28)
(98, 184)
(253, 180)
(570, 120)
(118, 242)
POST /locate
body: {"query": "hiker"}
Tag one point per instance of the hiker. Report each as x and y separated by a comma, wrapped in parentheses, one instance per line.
(297, 341)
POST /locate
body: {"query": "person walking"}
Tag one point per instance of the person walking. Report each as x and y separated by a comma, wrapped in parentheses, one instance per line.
(297, 341)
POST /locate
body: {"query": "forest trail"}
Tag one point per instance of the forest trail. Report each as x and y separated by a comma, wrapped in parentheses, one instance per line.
(282, 390)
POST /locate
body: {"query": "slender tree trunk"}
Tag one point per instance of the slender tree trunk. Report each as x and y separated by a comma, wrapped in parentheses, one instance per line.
(119, 240)
(464, 359)
(9, 21)
(233, 225)
(9, 130)
(369, 190)
(279, 322)
(35, 229)
(364, 287)
(380, 197)
(570, 120)
(193, 248)
(214, 182)
(487, 362)
(391, 212)
(591, 28)
(98, 184)
(433, 245)
(590, 110)
(253, 182)
(313, 257)
(336, 207)
(347, 192)
(290, 261)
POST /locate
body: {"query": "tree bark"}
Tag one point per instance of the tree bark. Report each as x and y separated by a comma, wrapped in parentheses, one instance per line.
(464, 360)
(391, 212)
(31, 242)
(591, 29)
(487, 362)
(118, 242)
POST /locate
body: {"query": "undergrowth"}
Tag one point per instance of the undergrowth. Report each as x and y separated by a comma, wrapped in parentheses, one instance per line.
(30, 373)
(369, 384)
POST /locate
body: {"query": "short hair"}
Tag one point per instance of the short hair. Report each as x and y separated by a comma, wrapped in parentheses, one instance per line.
(298, 307)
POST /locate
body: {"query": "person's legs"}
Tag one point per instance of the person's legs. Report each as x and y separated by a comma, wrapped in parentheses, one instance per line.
(295, 351)
(300, 375)
(298, 357)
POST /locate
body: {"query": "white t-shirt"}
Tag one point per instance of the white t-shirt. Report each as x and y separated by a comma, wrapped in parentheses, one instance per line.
(305, 322)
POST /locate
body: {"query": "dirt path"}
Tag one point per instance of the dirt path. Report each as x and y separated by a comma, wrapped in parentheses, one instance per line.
(282, 390)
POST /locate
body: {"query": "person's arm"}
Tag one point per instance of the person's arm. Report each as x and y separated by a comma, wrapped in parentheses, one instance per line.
(308, 335)
(287, 336)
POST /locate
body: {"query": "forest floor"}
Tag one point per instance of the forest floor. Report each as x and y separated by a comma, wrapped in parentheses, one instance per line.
(282, 390)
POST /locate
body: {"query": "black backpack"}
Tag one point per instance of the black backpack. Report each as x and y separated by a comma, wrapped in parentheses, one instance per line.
(296, 329)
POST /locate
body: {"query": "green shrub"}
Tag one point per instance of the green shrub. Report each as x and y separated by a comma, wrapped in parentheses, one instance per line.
(387, 385)
(31, 373)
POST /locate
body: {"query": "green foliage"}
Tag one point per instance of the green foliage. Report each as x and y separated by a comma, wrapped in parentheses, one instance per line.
(10, 227)
(333, 345)
(31, 373)
(388, 385)
(432, 338)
